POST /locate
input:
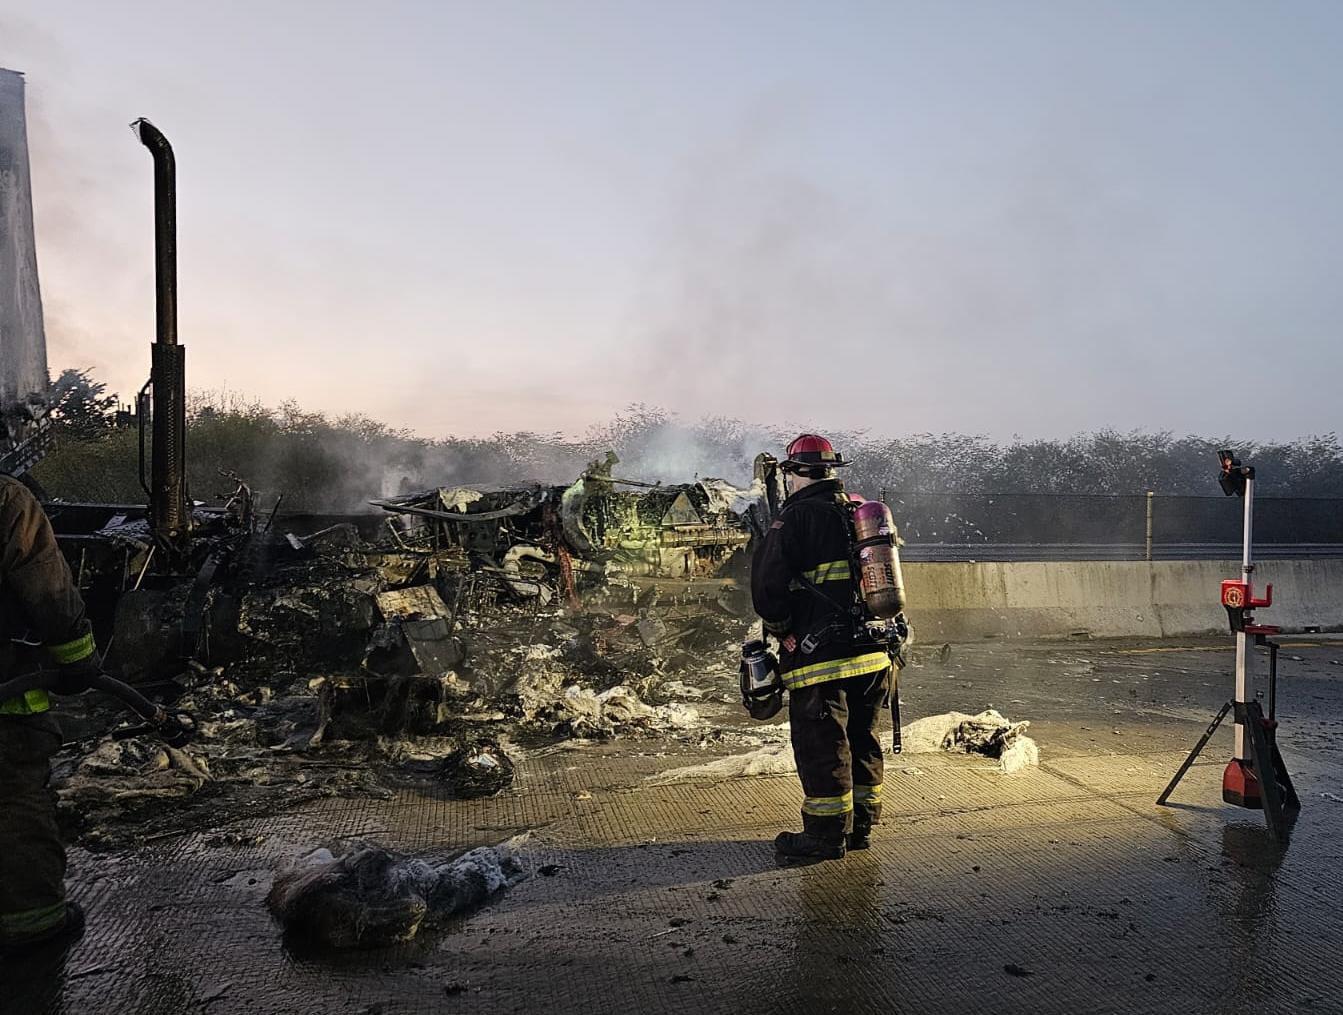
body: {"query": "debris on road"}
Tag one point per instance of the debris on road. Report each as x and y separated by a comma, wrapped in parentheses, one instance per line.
(987, 733)
(367, 896)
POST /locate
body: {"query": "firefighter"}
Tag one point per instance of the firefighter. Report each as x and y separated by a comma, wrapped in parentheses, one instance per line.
(838, 677)
(41, 615)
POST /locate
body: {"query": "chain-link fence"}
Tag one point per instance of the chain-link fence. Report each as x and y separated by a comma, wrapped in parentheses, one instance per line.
(952, 526)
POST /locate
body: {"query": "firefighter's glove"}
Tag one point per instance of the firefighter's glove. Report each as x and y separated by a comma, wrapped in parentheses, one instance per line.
(77, 677)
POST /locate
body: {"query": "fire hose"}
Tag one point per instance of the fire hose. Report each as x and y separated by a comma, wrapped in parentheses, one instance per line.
(175, 729)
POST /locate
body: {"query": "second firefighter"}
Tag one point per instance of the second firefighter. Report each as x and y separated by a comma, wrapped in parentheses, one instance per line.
(838, 676)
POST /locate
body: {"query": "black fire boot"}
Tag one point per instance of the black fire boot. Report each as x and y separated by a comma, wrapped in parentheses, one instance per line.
(795, 847)
(821, 838)
(866, 813)
(860, 837)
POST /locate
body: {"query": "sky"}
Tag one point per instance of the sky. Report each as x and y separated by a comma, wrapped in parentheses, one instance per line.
(1004, 218)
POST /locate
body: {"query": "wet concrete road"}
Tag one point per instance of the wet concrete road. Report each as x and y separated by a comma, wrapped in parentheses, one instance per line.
(1062, 889)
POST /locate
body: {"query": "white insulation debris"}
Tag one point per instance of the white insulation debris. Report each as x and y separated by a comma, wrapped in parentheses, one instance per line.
(988, 734)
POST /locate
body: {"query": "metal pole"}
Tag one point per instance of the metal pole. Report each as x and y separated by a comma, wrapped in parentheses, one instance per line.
(1193, 755)
(169, 515)
(1242, 640)
(1149, 525)
(1246, 564)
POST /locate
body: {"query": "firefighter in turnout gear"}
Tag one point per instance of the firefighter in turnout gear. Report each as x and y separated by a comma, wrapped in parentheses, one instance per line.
(42, 623)
(838, 677)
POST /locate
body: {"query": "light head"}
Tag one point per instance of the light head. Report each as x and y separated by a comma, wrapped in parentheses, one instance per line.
(1234, 475)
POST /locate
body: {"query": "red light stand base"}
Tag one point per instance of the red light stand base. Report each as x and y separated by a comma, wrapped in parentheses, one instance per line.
(1240, 786)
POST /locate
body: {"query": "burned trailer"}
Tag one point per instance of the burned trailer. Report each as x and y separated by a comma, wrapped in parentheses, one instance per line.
(599, 526)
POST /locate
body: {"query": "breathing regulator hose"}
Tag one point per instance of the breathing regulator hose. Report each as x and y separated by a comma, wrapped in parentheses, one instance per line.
(175, 729)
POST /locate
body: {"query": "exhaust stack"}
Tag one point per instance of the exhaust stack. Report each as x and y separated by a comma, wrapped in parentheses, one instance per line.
(169, 513)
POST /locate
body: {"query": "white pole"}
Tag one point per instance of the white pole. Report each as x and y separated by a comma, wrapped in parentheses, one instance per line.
(1247, 565)
(23, 346)
(1149, 524)
(1242, 642)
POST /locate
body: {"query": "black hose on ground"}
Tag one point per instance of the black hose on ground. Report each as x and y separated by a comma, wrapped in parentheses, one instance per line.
(173, 728)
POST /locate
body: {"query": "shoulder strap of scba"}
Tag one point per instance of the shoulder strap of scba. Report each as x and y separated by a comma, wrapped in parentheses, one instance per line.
(846, 508)
(857, 611)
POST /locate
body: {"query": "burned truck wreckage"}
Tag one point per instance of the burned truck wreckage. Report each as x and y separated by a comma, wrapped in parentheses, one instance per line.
(428, 643)
(589, 527)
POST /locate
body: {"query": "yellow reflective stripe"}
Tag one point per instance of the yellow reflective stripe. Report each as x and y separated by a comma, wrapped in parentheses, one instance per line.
(836, 669)
(72, 651)
(867, 794)
(825, 805)
(27, 922)
(834, 571)
(30, 703)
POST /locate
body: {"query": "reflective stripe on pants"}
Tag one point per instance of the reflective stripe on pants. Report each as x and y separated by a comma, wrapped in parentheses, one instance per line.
(869, 795)
(822, 805)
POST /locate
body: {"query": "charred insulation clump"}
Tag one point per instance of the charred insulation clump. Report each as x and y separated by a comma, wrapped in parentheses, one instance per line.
(367, 896)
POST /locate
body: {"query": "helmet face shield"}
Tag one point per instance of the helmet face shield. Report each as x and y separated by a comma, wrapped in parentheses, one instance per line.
(760, 710)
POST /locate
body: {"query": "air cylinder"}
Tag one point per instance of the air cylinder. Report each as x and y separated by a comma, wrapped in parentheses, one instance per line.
(879, 578)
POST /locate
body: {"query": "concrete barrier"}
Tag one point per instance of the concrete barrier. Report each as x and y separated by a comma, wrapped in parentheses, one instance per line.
(1110, 599)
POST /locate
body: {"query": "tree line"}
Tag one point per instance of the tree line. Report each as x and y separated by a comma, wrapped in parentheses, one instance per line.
(323, 462)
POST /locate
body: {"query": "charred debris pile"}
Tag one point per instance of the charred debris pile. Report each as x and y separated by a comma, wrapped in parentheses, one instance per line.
(428, 645)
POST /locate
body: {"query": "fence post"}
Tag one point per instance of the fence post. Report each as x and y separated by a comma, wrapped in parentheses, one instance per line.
(1149, 525)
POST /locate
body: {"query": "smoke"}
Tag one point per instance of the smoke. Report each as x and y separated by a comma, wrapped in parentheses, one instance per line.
(948, 295)
(655, 446)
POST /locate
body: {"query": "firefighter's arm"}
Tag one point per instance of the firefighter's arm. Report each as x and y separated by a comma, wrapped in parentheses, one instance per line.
(771, 572)
(38, 581)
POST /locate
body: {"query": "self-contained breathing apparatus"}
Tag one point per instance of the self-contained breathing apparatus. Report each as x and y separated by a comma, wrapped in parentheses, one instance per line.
(874, 616)
(876, 613)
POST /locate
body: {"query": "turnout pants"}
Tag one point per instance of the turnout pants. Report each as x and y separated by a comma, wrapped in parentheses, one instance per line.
(834, 734)
(32, 859)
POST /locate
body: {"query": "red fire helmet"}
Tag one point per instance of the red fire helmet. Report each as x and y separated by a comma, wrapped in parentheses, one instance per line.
(811, 449)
